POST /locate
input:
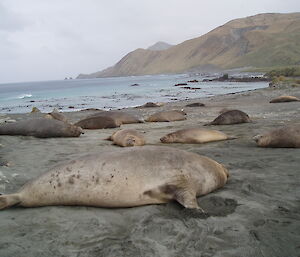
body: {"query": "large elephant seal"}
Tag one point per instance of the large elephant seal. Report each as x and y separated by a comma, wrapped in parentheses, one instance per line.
(40, 127)
(230, 117)
(287, 136)
(285, 98)
(195, 105)
(195, 136)
(119, 117)
(125, 178)
(97, 122)
(55, 114)
(127, 137)
(166, 116)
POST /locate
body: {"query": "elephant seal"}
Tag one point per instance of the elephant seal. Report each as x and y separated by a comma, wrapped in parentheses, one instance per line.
(55, 114)
(127, 137)
(124, 178)
(40, 127)
(150, 104)
(195, 136)
(166, 116)
(119, 117)
(97, 122)
(285, 98)
(287, 136)
(35, 110)
(230, 117)
(195, 105)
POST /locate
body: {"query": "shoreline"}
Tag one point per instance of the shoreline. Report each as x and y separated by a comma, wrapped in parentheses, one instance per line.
(257, 213)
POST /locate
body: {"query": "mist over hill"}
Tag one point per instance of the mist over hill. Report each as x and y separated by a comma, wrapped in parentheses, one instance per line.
(269, 39)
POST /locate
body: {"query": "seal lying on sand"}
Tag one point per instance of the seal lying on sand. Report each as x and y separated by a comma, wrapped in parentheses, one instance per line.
(150, 104)
(285, 98)
(127, 137)
(40, 127)
(119, 117)
(230, 117)
(166, 116)
(195, 136)
(55, 114)
(287, 136)
(97, 122)
(125, 178)
(195, 105)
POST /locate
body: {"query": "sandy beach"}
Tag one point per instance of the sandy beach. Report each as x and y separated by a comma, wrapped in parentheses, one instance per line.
(257, 213)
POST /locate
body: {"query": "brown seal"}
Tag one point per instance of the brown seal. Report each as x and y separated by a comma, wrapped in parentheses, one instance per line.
(124, 178)
(149, 105)
(127, 137)
(97, 122)
(55, 114)
(166, 116)
(285, 98)
(195, 136)
(195, 105)
(287, 136)
(40, 127)
(230, 117)
(119, 117)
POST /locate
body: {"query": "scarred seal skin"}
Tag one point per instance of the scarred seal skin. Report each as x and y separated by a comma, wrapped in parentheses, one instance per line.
(230, 117)
(40, 127)
(124, 178)
(195, 136)
(285, 137)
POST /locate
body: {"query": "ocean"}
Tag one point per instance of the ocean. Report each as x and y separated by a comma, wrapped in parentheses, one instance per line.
(111, 93)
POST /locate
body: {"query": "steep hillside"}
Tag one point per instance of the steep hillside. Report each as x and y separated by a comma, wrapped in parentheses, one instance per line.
(260, 40)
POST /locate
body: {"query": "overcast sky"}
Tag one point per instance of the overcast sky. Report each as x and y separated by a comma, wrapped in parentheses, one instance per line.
(54, 39)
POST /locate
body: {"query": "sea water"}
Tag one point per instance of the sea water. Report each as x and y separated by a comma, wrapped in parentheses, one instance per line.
(110, 93)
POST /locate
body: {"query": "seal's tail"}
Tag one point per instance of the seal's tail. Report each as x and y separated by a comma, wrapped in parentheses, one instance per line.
(9, 200)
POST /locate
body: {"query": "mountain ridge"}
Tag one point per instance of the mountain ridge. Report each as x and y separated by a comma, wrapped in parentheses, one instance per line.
(267, 39)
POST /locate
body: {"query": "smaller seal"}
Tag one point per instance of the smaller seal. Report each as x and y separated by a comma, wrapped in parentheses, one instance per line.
(230, 117)
(97, 122)
(167, 116)
(285, 137)
(195, 105)
(195, 136)
(55, 114)
(119, 117)
(284, 99)
(150, 104)
(127, 137)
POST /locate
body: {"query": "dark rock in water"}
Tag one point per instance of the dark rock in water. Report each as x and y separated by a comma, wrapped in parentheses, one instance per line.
(192, 88)
(71, 107)
(135, 85)
(237, 79)
(32, 101)
(180, 84)
(193, 81)
(195, 105)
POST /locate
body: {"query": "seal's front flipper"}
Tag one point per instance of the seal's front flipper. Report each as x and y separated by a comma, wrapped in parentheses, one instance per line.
(9, 200)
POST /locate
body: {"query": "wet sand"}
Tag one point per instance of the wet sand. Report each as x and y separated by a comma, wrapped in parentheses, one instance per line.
(257, 213)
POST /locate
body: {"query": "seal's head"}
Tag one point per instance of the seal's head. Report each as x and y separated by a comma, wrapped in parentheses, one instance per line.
(75, 130)
(261, 140)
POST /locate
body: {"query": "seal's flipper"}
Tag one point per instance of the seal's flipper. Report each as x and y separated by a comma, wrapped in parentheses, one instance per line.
(179, 190)
(9, 200)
